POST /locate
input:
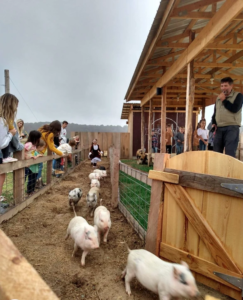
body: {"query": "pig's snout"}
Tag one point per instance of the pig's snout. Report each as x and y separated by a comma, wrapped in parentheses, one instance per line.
(106, 228)
(195, 294)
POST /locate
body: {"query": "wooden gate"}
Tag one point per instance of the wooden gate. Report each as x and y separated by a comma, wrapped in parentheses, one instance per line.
(197, 219)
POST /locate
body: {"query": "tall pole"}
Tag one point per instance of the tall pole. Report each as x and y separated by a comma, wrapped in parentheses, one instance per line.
(163, 120)
(142, 127)
(6, 75)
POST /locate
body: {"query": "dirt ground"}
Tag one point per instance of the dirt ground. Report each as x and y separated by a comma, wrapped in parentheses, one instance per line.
(39, 233)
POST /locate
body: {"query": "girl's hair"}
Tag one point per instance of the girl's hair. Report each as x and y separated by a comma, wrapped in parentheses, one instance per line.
(54, 127)
(21, 129)
(72, 142)
(42, 143)
(34, 138)
(8, 108)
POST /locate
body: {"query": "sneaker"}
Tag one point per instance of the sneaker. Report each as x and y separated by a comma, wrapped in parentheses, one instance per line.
(9, 159)
(59, 172)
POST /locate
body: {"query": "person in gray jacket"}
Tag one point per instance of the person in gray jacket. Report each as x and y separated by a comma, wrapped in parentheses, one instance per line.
(15, 144)
(179, 139)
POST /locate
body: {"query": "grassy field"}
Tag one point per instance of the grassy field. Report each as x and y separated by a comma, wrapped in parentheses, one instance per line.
(135, 196)
(133, 164)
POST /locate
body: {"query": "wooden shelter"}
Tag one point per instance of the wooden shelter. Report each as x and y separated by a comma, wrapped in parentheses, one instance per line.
(191, 45)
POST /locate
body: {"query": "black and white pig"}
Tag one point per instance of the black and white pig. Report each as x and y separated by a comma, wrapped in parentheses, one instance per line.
(102, 220)
(92, 199)
(163, 278)
(74, 196)
(84, 235)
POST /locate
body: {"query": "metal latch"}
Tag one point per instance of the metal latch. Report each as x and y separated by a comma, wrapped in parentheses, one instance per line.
(238, 282)
(233, 187)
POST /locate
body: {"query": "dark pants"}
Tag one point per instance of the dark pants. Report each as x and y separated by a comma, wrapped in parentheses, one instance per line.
(210, 147)
(202, 146)
(179, 149)
(226, 137)
(5, 152)
(31, 180)
(168, 149)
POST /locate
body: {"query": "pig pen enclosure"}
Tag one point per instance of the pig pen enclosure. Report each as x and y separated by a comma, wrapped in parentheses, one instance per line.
(39, 231)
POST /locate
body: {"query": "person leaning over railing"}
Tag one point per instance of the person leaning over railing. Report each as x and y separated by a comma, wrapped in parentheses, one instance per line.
(23, 136)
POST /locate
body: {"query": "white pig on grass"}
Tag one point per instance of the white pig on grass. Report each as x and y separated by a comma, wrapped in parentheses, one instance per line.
(103, 221)
(163, 278)
(84, 235)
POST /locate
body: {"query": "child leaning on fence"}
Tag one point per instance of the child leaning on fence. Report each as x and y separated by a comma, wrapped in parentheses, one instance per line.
(31, 153)
(66, 148)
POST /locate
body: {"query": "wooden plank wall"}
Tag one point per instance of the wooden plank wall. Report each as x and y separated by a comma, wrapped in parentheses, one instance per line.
(120, 140)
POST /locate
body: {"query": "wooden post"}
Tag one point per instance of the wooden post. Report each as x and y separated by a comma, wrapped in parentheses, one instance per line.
(19, 280)
(49, 168)
(7, 86)
(163, 121)
(115, 175)
(190, 91)
(203, 109)
(18, 179)
(150, 131)
(142, 128)
(154, 231)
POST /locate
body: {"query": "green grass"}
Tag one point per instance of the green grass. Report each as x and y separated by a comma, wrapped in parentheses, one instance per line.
(135, 196)
(133, 164)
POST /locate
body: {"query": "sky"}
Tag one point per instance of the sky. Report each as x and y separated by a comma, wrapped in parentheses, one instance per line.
(72, 60)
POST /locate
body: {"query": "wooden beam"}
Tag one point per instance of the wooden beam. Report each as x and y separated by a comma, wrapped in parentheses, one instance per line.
(163, 24)
(190, 95)
(197, 5)
(226, 13)
(200, 15)
(201, 226)
(155, 216)
(142, 128)
(196, 264)
(150, 129)
(19, 280)
(216, 46)
(205, 182)
(163, 121)
(163, 176)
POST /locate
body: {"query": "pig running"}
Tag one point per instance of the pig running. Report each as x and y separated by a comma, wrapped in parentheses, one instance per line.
(74, 196)
(94, 176)
(163, 278)
(102, 173)
(103, 221)
(84, 236)
(92, 199)
(95, 183)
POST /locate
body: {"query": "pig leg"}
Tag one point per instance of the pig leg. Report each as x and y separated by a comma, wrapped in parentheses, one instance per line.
(106, 235)
(67, 235)
(163, 296)
(98, 235)
(83, 258)
(129, 276)
(75, 249)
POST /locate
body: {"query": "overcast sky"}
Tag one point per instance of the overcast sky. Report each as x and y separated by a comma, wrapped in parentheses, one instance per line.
(72, 59)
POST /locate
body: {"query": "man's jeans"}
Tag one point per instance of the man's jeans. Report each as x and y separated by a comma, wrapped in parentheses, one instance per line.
(226, 137)
(155, 149)
(179, 149)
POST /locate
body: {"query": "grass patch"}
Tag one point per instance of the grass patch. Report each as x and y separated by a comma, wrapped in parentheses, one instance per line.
(135, 196)
(133, 163)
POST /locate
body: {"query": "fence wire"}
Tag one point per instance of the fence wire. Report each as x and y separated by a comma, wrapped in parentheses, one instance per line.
(135, 196)
(22, 184)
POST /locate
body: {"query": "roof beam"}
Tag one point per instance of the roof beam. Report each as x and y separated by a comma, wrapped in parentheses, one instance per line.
(196, 5)
(226, 13)
(209, 46)
(163, 24)
(200, 15)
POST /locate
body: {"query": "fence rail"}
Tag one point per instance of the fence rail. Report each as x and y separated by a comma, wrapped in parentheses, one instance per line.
(15, 187)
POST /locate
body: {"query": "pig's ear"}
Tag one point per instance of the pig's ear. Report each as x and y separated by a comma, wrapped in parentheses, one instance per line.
(175, 273)
(185, 264)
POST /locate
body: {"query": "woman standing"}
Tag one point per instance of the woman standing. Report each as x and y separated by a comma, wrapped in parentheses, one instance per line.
(95, 153)
(202, 133)
(21, 132)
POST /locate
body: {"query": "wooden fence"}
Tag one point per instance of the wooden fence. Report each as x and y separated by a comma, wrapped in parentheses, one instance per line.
(194, 218)
(20, 201)
(106, 140)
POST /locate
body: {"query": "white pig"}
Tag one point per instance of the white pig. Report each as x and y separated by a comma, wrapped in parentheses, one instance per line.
(92, 199)
(101, 172)
(95, 183)
(103, 221)
(84, 235)
(94, 176)
(163, 278)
